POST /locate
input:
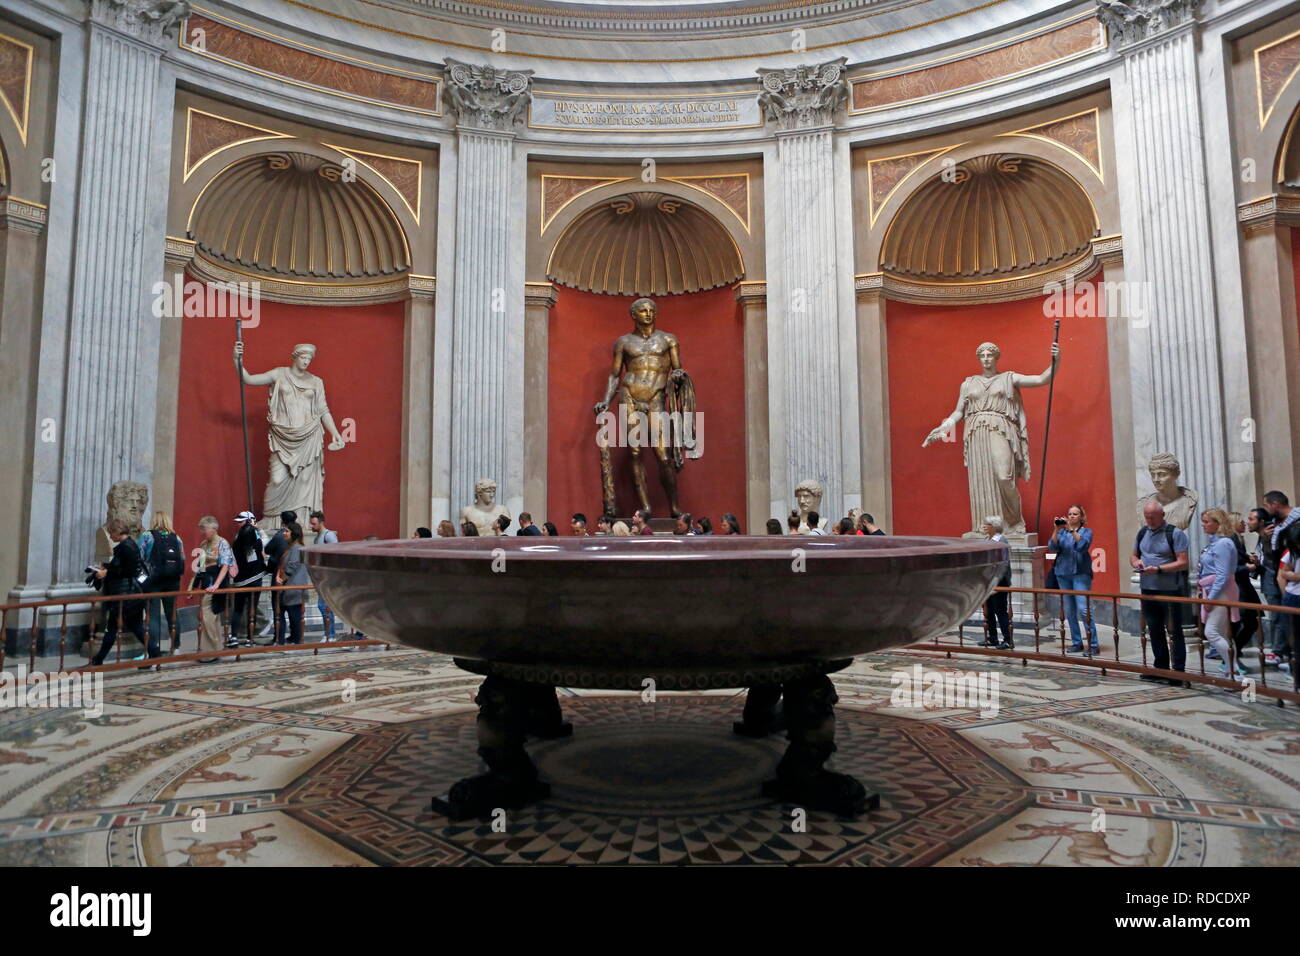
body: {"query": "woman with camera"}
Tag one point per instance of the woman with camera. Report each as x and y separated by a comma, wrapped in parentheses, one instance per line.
(1216, 581)
(1072, 545)
(125, 574)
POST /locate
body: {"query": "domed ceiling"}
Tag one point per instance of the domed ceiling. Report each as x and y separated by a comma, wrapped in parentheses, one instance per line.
(645, 243)
(992, 216)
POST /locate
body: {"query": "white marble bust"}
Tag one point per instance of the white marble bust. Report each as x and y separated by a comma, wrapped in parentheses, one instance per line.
(808, 495)
(483, 513)
(1179, 502)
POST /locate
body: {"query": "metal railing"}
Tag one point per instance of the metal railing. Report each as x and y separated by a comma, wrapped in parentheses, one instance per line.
(98, 608)
(1113, 661)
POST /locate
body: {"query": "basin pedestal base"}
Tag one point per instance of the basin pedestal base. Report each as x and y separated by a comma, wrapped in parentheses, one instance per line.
(509, 711)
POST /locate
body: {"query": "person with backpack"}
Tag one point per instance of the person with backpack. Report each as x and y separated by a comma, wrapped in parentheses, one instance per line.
(1160, 558)
(126, 573)
(164, 554)
(250, 567)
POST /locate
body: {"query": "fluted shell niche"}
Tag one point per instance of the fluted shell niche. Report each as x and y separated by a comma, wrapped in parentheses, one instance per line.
(297, 215)
(992, 215)
(645, 243)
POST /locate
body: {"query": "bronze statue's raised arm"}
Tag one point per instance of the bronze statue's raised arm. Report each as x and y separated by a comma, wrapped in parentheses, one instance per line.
(615, 371)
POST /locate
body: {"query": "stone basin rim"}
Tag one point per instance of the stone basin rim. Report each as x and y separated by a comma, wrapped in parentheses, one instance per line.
(664, 548)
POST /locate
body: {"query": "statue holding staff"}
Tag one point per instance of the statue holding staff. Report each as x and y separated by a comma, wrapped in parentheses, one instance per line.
(995, 447)
(298, 418)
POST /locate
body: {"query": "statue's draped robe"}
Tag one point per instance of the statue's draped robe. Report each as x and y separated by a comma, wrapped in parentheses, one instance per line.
(295, 437)
(994, 414)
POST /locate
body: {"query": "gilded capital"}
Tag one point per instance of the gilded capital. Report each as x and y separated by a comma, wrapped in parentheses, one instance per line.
(486, 97)
(803, 97)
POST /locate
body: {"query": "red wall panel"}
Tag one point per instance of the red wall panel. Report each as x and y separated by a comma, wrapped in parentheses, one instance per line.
(932, 349)
(710, 334)
(359, 356)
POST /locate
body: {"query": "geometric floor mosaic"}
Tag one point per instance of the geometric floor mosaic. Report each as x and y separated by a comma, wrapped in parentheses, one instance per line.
(332, 759)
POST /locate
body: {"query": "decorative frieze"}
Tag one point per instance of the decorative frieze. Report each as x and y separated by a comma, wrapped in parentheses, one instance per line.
(1269, 212)
(22, 215)
(803, 97)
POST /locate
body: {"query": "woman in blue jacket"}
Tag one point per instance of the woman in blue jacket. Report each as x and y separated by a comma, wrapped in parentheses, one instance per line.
(1072, 545)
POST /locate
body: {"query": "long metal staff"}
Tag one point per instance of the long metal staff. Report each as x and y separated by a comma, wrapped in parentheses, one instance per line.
(1047, 427)
(243, 412)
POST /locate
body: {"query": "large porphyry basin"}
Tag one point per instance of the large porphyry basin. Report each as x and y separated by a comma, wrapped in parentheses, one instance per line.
(705, 605)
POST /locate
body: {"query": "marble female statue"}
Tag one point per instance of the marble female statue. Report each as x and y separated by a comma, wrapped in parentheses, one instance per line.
(298, 418)
(995, 446)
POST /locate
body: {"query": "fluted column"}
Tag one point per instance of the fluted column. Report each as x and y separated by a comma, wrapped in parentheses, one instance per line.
(417, 405)
(539, 299)
(108, 428)
(873, 391)
(805, 337)
(487, 394)
(752, 297)
(1178, 401)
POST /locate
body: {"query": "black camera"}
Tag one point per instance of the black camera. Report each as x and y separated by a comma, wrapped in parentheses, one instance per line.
(92, 576)
(1059, 522)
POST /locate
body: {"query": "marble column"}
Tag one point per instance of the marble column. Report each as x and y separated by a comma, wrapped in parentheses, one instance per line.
(873, 394)
(1178, 399)
(805, 338)
(176, 259)
(417, 406)
(752, 297)
(21, 224)
(487, 391)
(1273, 338)
(539, 299)
(108, 416)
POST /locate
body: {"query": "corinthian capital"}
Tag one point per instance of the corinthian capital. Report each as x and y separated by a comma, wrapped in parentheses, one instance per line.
(152, 20)
(486, 97)
(803, 96)
(1130, 21)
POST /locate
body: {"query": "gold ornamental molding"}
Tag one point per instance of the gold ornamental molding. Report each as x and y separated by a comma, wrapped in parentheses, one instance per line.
(1108, 250)
(540, 295)
(887, 174)
(298, 292)
(1269, 212)
(1006, 58)
(1079, 134)
(178, 252)
(207, 134)
(559, 191)
(278, 57)
(1276, 65)
(751, 293)
(403, 174)
(976, 293)
(16, 59)
(23, 215)
(784, 32)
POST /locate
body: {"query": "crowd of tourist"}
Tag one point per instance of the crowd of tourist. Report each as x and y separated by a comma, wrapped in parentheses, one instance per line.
(232, 570)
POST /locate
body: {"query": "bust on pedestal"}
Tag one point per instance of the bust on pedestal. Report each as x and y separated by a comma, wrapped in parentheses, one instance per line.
(484, 512)
(1179, 502)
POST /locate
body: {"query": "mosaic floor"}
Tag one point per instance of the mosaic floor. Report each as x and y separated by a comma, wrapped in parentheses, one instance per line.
(332, 760)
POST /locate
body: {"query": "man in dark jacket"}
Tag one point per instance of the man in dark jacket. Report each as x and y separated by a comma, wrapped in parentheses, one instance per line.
(124, 574)
(250, 566)
(526, 526)
(274, 551)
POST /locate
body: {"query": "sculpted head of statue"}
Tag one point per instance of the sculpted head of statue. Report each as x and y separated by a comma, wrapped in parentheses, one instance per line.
(1165, 471)
(303, 355)
(485, 492)
(988, 353)
(808, 493)
(644, 312)
(126, 502)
